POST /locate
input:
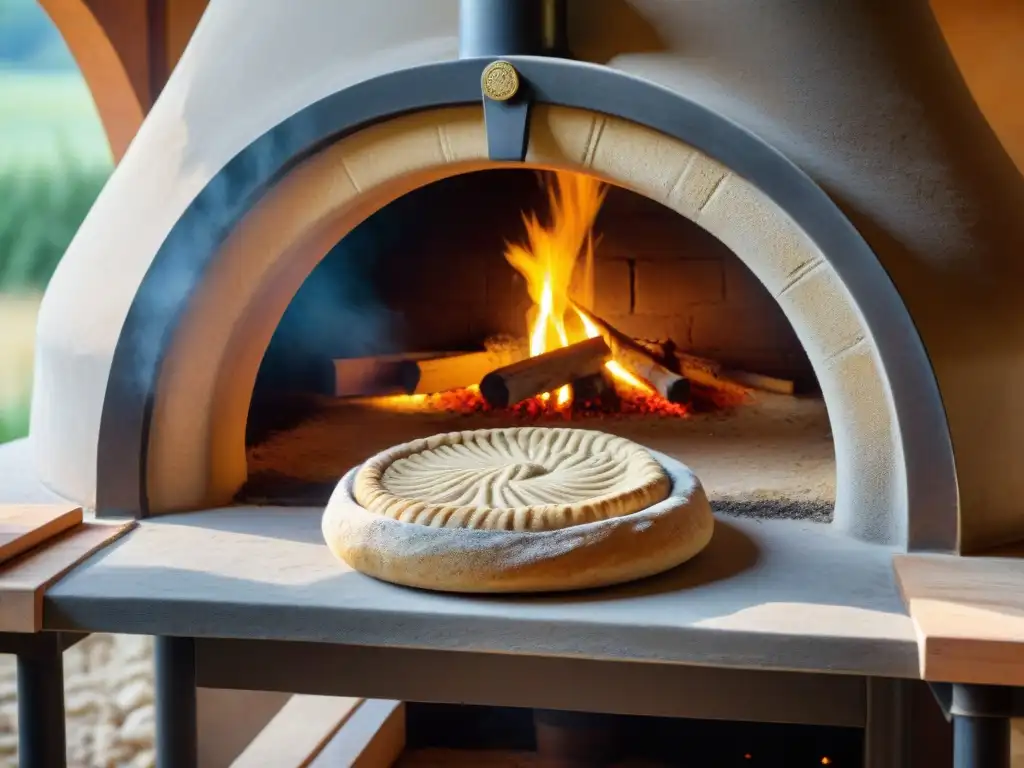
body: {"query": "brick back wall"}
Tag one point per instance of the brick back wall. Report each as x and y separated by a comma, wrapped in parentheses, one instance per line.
(430, 270)
(658, 275)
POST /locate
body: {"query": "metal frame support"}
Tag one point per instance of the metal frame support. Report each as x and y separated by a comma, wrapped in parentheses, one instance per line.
(981, 742)
(981, 722)
(176, 724)
(506, 112)
(41, 729)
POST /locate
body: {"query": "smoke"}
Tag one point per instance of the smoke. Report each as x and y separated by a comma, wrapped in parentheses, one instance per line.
(188, 250)
(337, 313)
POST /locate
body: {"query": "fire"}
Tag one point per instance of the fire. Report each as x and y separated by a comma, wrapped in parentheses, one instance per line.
(556, 258)
(550, 261)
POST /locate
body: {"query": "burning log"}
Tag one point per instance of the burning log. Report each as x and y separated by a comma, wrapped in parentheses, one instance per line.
(637, 360)
(668, 384)
(379, 375)
(415, 373)
(709, 373)
(596, 392)
(543, 373)
(444, 373)
(712, 374)
(760, 381)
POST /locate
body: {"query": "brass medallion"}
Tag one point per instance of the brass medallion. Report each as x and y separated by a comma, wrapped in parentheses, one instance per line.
(500, 81)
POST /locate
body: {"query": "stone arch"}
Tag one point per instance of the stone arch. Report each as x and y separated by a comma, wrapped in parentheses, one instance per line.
(894, 459)
(108, 72)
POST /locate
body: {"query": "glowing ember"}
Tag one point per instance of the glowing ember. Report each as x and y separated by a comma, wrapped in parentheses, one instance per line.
(630, 402)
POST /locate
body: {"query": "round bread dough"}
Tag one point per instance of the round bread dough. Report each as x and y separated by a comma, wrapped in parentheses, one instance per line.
(514, 479)
(595, 554)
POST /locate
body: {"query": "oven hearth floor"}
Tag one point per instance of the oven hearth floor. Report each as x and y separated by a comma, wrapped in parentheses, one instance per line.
(772, 458)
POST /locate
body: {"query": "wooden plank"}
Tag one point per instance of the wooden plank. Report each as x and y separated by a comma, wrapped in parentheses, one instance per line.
(299, 732)
(968, 613)
(23, 581)
(373, 737)
(24, 526)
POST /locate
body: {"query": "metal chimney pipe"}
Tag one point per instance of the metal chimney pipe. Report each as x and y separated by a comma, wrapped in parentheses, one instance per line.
(512, 27)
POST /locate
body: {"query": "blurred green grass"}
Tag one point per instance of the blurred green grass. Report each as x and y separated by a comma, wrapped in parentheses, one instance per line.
(14, 421)
(41, 210)
(54, 160)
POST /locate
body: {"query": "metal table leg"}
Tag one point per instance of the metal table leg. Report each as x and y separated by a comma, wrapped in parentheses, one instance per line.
(176, 736)
(41, 736)
(981, 722)
(981, 742)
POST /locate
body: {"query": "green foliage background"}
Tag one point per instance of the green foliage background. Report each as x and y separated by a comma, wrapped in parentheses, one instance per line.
(54, 160)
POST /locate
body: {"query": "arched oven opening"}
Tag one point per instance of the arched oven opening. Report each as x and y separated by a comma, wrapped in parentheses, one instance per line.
(511, 297)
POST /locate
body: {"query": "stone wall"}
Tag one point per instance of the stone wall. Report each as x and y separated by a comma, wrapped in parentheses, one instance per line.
(658, 276)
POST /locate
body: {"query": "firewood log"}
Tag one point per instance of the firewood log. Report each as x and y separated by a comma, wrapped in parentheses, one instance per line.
(709, 373)
(759, 381)
(543, 373)
(444, 373)
(416, 373)
(595, 392)
(640, 362)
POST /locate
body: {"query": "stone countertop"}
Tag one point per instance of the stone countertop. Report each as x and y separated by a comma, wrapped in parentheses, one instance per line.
(765, 594)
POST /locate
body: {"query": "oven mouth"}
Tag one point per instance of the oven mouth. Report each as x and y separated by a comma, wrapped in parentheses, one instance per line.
(401, 330)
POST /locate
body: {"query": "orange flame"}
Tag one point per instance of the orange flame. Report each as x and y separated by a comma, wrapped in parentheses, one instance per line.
(550, 262)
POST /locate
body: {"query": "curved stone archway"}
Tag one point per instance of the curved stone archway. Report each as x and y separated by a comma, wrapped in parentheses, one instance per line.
(159, 448)
(115, 87)
(197, 434)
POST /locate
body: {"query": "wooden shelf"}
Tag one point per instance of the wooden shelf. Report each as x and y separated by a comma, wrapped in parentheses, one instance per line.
(25, 578)
(968, 614)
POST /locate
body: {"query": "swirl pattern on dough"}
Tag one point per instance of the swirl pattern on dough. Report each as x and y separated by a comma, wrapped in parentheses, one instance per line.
(514, 479)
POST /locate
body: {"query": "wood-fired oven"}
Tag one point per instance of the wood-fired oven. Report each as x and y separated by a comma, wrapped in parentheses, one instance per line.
(805, 219)
(814, 214)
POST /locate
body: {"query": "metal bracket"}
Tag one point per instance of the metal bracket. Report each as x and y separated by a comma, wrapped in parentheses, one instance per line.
(961, 700)
(507, 105)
